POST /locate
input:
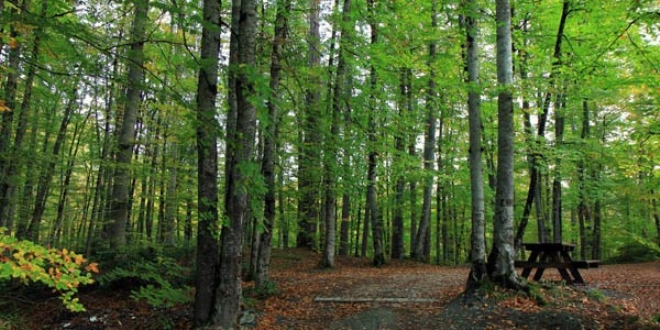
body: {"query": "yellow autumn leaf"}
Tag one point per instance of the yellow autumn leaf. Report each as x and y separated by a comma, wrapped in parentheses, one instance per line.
(92, 268)
(3, 106)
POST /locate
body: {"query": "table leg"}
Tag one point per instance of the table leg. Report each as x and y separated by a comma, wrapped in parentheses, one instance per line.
(539, 271)
(577, 277)
(532, 258)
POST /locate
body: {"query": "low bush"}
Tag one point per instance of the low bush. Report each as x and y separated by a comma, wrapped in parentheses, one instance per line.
(636, 252)
(150, 275)
(29, 263)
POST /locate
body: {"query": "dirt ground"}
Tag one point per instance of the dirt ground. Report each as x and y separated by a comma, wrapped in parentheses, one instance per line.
(407, 295)
(400, 295)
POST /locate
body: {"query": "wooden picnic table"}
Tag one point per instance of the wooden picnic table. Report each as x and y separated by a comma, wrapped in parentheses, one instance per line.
(554, 255)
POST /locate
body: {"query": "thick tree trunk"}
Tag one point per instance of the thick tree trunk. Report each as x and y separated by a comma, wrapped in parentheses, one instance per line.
(478, 246)
(500, 261)
(119, 205)
(229, 292)
(9, 97)
(207, 167)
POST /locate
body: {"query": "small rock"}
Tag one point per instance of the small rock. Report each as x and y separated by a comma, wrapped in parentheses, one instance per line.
(248, 319)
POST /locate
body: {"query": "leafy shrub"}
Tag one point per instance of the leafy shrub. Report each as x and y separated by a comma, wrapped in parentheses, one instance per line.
(62, 270)
(635, 252)
(159, 280)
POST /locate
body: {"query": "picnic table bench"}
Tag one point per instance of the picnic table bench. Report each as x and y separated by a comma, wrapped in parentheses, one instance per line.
(554, 255)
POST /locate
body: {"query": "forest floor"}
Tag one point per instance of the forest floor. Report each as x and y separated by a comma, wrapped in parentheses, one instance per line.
(400, 295)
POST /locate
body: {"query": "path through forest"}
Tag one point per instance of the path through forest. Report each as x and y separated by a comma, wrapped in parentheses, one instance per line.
(408, 295)
(400, 295)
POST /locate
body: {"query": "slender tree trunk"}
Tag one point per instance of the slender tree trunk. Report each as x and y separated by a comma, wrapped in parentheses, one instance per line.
(372, 205)
(309, 168)
(560, 107)
(584, 214)
(423, 230)
(171, 199)
(119, 205)
(366, 227)
(270, 143)
(45, 179)
(398, 249)
(596, 235)
(64, 190)
(535, 189)
(500, 261)
(208, 249)
(412, 152)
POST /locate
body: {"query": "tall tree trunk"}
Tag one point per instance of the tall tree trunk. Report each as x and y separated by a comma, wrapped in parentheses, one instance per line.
(366, 226)
(478, 247)
(412, 152)
(423, 231)
(119, 204)
(242, 140)
(584, 214)
(64, 190)
(208, 249)
(270, 143)
(171, 199)
(560, 107)
(372, 205)
(500, 261)
(10, 88)
(309, 168)
(398, 249)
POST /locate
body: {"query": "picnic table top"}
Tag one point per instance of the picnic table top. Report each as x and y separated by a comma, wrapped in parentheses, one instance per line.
(549, 246)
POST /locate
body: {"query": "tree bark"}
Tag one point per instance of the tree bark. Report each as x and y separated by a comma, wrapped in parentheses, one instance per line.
(229, 292)
(119, 204)
(478, 247)
(206, 128)
(309, 168)
(398, 249)
(6, 148)
(420, 253)
(500, 261)
(270, 143)
(372, 205)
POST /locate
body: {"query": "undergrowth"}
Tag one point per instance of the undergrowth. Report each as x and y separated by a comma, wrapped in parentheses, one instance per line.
(151, 273)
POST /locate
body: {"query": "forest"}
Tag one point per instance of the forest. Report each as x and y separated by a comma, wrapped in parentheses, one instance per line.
(150, 135)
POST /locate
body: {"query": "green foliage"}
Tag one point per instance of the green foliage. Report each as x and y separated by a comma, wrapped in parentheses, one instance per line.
(160, 280)
(656, 318)
(597, 295)
(635, 252)
(62, 270)
(269, 289)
